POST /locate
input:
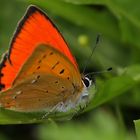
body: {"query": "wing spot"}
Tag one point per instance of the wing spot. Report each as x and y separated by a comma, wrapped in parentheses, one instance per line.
(44, 56)
(63, 87)
(46, 91)
(14, 97)
(55, 64)
(1, 74)
(73, 85)
(18, 92)
(38, 77)
(56, 82)
(38, 68)
(62, 71)
(33, 81)
(4, 65)
(39, 61)
(2, 86)
(68, 78)
(51, 53)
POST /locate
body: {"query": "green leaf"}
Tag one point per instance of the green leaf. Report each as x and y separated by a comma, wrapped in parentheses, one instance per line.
(133, 99)
(127, 13)
(13, 117)
(117, 86)
(110, 89)
(137, 128)
(129, 9)
(100, 125)
(133, 71)
(84, 1)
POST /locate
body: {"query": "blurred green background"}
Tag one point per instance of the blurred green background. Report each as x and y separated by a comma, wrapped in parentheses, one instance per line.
(116, 104)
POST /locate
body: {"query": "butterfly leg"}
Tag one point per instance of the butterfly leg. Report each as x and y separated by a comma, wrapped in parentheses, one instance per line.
(55, 108)
(81, 108)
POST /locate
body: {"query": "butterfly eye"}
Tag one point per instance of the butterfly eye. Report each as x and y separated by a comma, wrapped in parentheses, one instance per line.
(87, 82)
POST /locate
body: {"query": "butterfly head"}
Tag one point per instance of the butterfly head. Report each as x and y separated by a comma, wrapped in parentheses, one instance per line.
(85, 96)
(87, 81)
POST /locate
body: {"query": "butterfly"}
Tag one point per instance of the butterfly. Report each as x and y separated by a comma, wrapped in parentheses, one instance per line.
(39, 72)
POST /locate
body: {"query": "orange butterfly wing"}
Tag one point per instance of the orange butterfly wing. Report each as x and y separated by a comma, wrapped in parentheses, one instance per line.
(35, 28)
(46, 59)
(46, 79)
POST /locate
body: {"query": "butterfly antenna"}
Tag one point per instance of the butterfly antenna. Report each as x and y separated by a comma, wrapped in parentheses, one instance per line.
(89, 58)
(99, 72)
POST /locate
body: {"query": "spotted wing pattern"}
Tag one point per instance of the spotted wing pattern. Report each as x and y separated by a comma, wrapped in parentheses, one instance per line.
(46, 79)
(34, 28)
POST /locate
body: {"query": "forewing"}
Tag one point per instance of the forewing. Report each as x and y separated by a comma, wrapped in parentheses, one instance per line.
(46, 59)
(33, 29)
(45, 80)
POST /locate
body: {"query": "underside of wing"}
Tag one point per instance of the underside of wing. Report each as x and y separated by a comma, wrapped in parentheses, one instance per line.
(45, 80)
(46, 59)
(35, 28)
(43, 94)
